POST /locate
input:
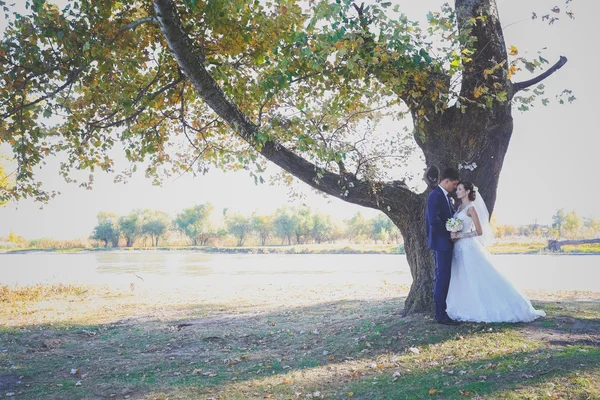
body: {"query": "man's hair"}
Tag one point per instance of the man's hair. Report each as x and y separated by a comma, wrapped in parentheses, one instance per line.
(451, 174)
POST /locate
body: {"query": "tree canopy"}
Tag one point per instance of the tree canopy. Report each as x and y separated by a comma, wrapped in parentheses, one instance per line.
(80, 79)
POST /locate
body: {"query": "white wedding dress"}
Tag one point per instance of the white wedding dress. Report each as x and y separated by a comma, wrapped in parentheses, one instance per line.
(478, 292)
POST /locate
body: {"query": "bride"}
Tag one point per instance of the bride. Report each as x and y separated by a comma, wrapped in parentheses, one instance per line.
(478, 292)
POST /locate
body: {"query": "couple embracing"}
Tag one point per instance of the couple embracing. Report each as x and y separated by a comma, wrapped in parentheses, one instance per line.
(467, 286)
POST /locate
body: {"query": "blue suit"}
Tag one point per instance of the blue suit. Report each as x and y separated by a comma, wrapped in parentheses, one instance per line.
(437, 213)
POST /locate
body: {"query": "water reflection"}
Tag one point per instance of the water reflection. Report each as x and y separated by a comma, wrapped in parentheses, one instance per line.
(178, 268)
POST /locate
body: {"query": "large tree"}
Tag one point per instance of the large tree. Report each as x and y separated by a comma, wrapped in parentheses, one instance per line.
(131, 226)
(107, 230)
(195, 222)
(184, 84)
(154, 223)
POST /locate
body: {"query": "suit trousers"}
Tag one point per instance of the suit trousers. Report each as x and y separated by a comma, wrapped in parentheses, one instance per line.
(443, 265)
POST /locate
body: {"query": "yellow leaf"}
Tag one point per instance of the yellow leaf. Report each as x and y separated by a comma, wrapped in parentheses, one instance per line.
(479, 90)
(512, 70)
(432, 391)
(350, 394)
(287, 381)
(513, 51)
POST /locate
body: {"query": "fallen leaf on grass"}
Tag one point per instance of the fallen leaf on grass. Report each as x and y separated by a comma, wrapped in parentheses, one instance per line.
(432, 391)
(74, 371)
(287, 382)
(78, 383)
(465, 392)
(350, 394)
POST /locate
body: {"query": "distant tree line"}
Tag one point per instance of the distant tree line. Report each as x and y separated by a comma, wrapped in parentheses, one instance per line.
(565, 225)
(201, 225)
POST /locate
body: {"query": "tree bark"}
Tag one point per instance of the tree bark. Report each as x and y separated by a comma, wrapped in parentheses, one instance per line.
(555, 245)
(419, 257)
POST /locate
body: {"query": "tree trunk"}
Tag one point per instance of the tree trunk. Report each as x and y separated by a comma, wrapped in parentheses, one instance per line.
(411, 223)
(555, 245)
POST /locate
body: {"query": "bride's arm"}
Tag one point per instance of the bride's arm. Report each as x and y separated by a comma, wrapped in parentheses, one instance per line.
(471, 212)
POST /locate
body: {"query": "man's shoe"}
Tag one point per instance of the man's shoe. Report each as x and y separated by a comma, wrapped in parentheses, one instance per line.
(448, 321)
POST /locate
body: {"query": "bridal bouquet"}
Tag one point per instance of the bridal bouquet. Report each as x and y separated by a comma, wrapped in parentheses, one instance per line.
(454, 225)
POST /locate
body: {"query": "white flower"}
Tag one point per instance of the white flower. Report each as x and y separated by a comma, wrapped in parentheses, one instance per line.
(454, 225)
(470, 166)
(351, 184)
(389, 208)
(346, 193)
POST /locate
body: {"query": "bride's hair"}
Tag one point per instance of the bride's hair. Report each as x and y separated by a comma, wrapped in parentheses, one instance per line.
(469, 186)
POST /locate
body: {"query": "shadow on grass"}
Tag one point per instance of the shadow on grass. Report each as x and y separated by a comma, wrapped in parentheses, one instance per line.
(334, 348)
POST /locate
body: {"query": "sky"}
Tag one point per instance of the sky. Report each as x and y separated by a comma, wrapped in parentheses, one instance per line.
(550, 164)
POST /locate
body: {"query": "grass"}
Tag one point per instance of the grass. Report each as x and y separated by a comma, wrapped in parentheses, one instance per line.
(12, 295)
(259, 341)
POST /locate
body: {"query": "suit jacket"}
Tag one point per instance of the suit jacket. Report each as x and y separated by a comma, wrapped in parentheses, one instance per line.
(437, 213)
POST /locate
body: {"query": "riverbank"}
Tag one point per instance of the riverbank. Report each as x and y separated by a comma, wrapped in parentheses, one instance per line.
(503, 247)
(261, 341)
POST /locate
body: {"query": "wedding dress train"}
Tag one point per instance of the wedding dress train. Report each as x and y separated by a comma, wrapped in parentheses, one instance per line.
(478, 292)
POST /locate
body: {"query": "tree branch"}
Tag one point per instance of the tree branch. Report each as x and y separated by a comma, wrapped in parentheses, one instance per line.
(72, 76)
(479, 20)
(133, 25)
(525, 84)
(70, 79)
(346, 187)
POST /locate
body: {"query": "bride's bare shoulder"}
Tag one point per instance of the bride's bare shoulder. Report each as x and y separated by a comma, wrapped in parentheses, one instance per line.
(471, 211)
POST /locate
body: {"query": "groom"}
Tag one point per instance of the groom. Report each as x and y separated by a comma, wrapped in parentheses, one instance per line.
(439, 210)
